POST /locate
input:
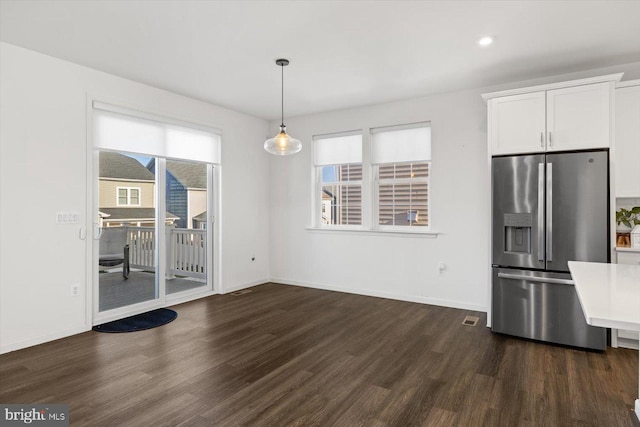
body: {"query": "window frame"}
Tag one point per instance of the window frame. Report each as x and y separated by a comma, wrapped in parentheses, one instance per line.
(128, 190)
(318, 184)
(342, 183)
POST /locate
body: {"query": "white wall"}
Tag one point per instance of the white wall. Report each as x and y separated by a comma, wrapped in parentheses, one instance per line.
(390, 265)
(43, 170)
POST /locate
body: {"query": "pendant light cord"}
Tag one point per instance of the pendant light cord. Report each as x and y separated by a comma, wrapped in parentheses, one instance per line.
(282, 94)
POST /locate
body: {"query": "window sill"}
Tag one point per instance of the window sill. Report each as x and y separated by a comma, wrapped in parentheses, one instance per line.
(375, 232)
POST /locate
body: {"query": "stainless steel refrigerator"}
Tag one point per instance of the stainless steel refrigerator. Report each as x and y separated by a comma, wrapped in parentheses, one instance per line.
(548, 209)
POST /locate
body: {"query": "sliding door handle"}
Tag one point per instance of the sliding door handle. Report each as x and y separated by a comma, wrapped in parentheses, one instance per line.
(97, 231)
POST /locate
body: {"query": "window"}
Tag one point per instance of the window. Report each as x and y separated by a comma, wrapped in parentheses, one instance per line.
(128, 196)
(338, 170)
(401, 159)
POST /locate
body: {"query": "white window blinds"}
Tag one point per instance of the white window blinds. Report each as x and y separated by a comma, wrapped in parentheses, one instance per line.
(337, 149)
(118, 129)
(396, 144)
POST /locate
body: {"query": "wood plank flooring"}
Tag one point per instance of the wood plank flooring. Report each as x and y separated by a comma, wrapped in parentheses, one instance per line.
(291, 356)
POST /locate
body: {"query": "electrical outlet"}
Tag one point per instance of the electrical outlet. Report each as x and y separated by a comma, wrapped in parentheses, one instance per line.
(75, 290)
(442, 267)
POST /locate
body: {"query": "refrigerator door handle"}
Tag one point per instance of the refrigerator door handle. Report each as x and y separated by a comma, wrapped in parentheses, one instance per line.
(536, 279)
(549, 211)
(540, 215)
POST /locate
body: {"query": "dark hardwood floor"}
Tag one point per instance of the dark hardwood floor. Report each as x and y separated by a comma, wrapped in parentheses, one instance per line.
(284, 355)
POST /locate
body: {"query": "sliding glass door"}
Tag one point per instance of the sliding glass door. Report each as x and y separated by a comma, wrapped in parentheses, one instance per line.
(154, 203)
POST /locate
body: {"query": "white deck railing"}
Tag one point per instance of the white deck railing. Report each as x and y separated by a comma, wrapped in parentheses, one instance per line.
(186, 250)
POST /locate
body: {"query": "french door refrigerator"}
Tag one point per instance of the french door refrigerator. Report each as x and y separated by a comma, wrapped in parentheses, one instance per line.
(548, 209)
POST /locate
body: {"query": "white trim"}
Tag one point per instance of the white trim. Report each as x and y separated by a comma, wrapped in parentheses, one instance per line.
(186, 296)
(382, 294)
(628, 83)
(215, 223)
(91, 198)
(239, 287)
(127, 310)
(41, 339)
(161, 230)
(619, 249)
(336, 134)
(599, 79)
(406, 126)
(427, 234)
(160, 118)
(638, 409)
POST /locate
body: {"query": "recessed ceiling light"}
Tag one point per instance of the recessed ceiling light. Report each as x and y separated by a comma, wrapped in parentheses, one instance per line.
(485, 41)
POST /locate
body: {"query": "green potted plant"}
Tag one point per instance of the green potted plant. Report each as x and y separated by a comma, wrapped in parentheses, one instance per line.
(628, 217)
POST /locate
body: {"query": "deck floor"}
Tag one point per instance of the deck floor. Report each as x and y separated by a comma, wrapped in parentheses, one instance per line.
(115, 291)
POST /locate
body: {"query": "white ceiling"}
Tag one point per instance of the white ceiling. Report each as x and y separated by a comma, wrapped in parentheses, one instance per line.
(343, 53)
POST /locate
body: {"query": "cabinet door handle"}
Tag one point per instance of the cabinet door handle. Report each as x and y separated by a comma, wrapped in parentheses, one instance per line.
(550, 140)
(542, 139)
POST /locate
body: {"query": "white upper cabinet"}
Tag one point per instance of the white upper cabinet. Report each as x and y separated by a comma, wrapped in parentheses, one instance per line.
(627, 147)
(579, 117)
(556, 117)
(517, 123)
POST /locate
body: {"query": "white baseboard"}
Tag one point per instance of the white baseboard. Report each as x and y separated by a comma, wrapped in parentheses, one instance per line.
(627, 343)
(233, 288)
(638, 409)
(187, 298)
(382, 294)
(6, 348)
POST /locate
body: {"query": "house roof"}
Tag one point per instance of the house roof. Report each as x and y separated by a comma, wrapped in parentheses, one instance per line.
(201, 217)
(133, 214)
(190, 174)
(120, 166)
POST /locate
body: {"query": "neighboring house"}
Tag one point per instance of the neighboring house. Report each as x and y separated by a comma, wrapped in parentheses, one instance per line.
(127, 192)
(186, 192)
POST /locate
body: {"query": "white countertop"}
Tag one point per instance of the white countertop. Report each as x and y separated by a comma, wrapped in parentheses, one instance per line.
(609, 293)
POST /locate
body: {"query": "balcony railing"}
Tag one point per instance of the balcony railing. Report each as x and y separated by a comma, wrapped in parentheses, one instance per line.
(186, 248)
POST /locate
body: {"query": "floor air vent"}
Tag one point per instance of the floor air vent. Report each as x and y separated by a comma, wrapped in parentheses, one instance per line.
(470, 321)
(241, 292)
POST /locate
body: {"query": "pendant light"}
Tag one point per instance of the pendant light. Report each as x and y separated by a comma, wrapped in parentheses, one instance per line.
(282, 144)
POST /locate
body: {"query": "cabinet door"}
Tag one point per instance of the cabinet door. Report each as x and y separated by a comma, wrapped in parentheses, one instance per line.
(629, 338)
(627, 154)
(578, 117)
(517, 123)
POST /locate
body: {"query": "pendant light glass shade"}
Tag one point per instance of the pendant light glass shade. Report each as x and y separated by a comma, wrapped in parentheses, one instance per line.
(282, 144)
